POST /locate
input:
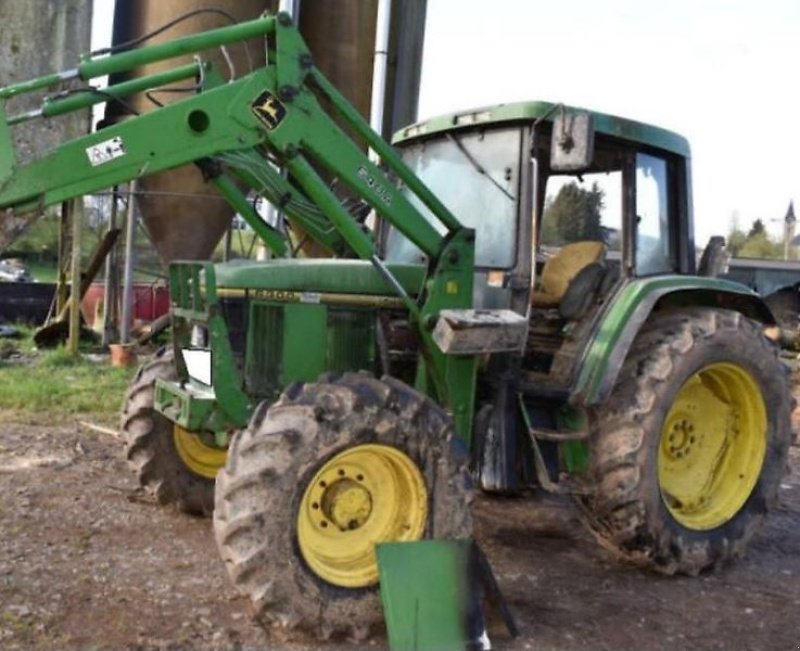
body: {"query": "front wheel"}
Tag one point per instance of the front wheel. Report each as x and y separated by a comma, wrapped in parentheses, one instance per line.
(318, 479)
(174, 465)
(688, 452)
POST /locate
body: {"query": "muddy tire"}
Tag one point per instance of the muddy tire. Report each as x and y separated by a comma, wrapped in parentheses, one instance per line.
(150, 445)
(261, 493)
(688, 452)
(785, 306)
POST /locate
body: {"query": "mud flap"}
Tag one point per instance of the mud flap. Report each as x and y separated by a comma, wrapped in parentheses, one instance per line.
(431, 593)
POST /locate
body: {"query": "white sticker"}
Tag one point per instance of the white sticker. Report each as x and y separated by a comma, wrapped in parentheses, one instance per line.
(310, 297)
(105, 151)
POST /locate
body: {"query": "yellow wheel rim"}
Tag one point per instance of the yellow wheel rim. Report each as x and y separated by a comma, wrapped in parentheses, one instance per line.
(366, 495)
(712, 446)
(201, 459)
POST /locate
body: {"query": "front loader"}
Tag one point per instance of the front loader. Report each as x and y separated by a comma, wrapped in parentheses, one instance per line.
(526, 314)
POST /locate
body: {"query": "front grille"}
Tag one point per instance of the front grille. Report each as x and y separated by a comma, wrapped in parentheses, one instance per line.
(262, 375)
(234, 312)
(351, 340)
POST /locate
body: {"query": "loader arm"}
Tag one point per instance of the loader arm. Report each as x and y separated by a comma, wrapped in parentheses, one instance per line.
(235, 130)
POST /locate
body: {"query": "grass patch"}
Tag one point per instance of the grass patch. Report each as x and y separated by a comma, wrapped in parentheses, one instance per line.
(43, 272)
(45, 387)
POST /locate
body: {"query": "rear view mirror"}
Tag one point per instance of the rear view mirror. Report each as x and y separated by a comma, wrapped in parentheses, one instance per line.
(572, 147)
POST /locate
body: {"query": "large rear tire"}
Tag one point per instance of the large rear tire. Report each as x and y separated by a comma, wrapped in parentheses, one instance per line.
(170, 463)
(688, 452)
(321, 476)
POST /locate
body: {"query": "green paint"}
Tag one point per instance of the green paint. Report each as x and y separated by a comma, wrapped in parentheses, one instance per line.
(637, 132)
(239, 202)
(618, 325)
(425, 590)
(318, 275)
(304, 342)
(128, 60)
(574, 454)
(77, 101)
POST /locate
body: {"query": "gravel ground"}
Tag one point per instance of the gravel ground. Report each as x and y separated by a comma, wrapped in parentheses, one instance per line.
(87, 561)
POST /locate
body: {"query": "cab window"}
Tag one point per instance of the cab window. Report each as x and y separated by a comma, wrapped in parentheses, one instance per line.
(654, 242)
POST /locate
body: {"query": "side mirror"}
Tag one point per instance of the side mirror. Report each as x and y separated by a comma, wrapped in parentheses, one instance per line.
(572, 147)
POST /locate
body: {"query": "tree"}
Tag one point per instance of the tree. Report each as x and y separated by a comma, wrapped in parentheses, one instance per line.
(756, 229)
(755, 244)
(735, 241)
(574, 215)
(761, 246)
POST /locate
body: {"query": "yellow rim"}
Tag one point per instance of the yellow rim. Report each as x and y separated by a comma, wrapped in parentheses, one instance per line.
(712, 446)
(366, 495)
(201, 459)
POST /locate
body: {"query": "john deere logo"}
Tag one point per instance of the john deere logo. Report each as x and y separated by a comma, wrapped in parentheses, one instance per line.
(268, 109)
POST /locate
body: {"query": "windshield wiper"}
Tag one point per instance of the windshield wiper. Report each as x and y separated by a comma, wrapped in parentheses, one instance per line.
(480, 169)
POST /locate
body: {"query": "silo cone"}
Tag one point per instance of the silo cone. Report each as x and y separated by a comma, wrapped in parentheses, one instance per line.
(182, 227)
(341, 37)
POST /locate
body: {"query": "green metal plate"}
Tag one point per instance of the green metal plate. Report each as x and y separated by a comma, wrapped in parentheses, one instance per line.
(425, 591)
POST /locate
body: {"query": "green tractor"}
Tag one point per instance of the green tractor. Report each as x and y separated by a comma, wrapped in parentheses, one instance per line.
(525, 314)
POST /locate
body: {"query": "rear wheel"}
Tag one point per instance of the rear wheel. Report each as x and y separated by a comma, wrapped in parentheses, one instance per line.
(317, 480)
(176, 466)
(688, 452)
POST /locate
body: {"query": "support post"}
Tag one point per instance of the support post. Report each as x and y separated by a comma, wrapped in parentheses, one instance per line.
(110, 290)
(75, 210)
(63, 255)
(127, 282)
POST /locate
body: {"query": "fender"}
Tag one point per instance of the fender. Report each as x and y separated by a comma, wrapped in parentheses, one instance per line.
(629, 310)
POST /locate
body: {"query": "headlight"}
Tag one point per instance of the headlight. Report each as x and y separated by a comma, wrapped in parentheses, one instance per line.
(198, 364)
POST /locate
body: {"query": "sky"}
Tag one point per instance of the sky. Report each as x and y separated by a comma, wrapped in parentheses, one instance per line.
(719, 72)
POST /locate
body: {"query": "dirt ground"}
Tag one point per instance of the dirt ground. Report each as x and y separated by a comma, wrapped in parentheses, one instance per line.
(89, 562)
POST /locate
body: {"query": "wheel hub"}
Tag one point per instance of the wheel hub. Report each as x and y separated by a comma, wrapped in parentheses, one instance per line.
(363, 496)
(713, 444)
(347, 504)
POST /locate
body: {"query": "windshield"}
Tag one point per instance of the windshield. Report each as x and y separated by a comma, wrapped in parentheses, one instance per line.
(476, 175)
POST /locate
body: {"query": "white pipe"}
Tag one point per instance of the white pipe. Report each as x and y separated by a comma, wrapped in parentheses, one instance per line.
(382, 27)
(274, 216)
(291, 7)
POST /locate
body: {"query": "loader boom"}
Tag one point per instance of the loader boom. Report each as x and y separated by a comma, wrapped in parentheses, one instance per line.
(273, 109)
(241, 131)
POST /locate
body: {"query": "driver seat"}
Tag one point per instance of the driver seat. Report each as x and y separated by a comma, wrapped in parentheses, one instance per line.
(560, 270)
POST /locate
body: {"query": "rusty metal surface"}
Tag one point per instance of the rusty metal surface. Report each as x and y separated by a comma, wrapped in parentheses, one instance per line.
(341, 37)
(39, 36)
(183, 227)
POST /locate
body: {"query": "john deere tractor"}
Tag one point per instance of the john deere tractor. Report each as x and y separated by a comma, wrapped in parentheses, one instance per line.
(525, 313)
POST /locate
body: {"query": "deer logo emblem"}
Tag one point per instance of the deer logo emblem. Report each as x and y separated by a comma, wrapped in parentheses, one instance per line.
(268, 109)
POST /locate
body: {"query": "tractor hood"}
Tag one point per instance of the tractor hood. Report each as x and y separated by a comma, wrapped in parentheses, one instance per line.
(314, 275)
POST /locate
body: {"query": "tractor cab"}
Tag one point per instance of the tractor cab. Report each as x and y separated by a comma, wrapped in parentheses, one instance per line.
(567, 206)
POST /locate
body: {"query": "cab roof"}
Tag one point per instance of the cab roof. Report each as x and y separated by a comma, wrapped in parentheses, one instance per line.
(529, 111)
